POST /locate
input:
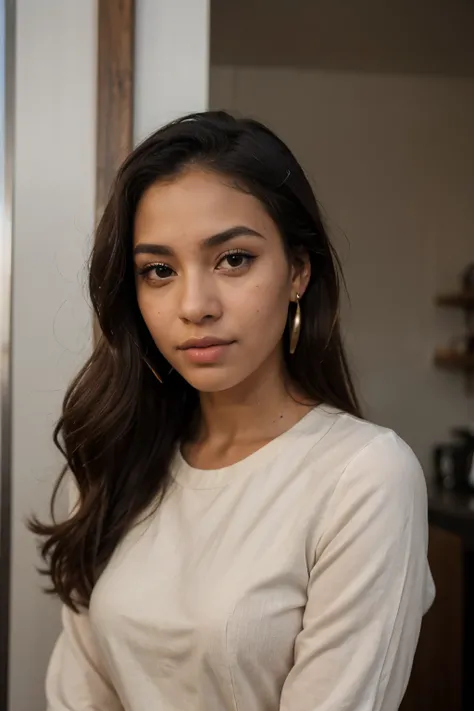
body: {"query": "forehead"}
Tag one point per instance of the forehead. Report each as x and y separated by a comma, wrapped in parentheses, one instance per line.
(195, 205)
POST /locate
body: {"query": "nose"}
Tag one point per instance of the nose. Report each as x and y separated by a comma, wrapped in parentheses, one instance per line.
(200, 300)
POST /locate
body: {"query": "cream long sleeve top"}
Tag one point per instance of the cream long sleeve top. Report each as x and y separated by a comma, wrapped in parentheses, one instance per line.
(294, 580)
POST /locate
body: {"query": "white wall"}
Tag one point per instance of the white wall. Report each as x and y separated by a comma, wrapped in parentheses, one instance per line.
(392, 161)
(54, 182)
(171, 61)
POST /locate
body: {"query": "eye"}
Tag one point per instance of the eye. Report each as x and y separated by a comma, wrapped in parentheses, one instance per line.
(236, 260)
(156, 272)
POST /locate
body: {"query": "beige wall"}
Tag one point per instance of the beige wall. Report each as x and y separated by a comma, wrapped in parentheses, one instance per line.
(392, 161)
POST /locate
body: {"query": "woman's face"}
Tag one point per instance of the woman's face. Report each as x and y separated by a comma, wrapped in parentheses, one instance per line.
(213, 280)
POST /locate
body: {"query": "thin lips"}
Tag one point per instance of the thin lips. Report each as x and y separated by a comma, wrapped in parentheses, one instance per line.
(203, 343)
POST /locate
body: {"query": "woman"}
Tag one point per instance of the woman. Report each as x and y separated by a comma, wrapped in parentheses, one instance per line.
(242, 539)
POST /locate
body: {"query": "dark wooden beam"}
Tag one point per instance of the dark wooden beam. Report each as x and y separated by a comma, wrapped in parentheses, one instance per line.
(116, 30)
(115, 92)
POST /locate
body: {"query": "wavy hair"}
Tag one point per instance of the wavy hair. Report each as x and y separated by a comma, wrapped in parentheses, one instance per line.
(119, 426)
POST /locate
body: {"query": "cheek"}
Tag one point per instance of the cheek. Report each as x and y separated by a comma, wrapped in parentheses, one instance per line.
(264, 311)
(152, 313)
(264, 303)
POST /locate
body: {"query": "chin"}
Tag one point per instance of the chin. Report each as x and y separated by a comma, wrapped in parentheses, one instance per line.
(213, 380)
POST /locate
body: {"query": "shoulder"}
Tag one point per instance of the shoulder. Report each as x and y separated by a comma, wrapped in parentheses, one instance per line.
(384, 462)
(369, 461)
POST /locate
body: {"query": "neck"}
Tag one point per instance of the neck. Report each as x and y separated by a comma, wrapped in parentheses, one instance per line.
(255, 410)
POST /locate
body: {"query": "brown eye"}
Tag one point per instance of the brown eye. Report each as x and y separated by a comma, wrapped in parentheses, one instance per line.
(234, 261)
(156, 272)
(162, 271)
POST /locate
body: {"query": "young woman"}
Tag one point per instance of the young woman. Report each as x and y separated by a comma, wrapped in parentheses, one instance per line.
(242, 540)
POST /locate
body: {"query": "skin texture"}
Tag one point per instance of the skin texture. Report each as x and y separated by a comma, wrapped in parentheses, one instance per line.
(236, 289)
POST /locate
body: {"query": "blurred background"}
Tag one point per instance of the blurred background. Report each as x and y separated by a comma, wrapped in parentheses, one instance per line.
(376, 99)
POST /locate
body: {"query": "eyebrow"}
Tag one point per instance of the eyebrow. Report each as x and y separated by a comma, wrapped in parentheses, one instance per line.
(213, 241)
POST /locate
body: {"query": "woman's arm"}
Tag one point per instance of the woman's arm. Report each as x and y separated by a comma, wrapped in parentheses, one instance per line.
(368, 589)
(77, 679)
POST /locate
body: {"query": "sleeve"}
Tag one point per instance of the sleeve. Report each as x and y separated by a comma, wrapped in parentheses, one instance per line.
(368, 589)
(76, 678)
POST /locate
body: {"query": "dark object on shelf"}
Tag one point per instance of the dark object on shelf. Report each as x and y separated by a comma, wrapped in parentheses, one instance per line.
(460, 356)
(468, 278)
(454, 462)
(454, 360)
(460, 300)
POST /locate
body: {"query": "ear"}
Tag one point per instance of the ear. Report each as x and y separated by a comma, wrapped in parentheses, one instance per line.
(300, 274)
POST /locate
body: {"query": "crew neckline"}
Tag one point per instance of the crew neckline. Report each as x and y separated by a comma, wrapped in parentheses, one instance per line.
(194, 478)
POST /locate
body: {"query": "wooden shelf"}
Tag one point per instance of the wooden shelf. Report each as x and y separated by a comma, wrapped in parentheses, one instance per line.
(448, 358)
(460, 300)
(455, 361)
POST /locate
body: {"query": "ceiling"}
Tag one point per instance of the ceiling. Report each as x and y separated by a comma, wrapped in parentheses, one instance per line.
(401, 36)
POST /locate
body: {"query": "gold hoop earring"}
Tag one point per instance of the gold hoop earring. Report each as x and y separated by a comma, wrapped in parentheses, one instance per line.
(295, 329)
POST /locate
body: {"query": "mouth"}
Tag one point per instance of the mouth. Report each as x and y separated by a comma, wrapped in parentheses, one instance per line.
(202, 343)
(205, 350)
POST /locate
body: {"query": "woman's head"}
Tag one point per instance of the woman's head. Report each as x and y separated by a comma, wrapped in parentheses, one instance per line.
(195, 179)
(212, 268)
(211, 232)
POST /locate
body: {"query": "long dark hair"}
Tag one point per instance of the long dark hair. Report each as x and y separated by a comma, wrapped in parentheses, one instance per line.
(119, 426)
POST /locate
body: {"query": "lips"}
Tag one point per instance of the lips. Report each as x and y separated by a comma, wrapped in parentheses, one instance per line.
(203, 343)
(206, 351)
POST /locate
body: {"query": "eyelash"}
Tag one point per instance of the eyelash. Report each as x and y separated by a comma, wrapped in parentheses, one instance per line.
(144, 271)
